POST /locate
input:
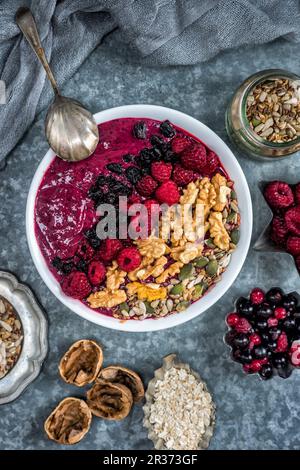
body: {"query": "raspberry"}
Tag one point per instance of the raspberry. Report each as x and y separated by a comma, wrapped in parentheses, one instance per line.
(297, 193)
(257, 296)
(129, 259)
(168, 193)
(134, 199)
(109, 249)
(180, 143)
(146, 185)
(279, 231)
(294, 353)
(212, 163)
(282, 342)
(243, 326)
(254, 340)
(76, 285)
(161, 171)
(279, 195)
(194, 158)
(232, 319)
(280, 313)
(293, 245)
(181, 176)
(272, 322)
(292, 220)
(96, 272)
(85, 251)
(256, 365)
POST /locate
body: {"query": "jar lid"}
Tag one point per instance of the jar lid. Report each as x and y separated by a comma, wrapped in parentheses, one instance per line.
(35, 341)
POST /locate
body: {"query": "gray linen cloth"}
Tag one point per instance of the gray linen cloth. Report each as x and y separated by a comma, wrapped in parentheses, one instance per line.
(160, 32)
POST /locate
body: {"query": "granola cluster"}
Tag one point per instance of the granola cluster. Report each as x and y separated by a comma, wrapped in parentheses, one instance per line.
(180, 265)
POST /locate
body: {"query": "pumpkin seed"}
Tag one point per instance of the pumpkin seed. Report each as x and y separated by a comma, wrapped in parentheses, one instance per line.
(182, 305)
(233, 195)
(177, 290)
(235, 236)
(198, 291)
(212, 268)
(209, 242)
(186, 271)
(124, 306)
(234, 206)
(201, 262)
(231, 216)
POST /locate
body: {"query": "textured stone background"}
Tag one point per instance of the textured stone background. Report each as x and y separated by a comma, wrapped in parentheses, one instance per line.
(250, 414)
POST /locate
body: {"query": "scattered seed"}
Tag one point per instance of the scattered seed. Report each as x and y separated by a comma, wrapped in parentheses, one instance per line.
(201, 262)
(186, 271)
(235, 236)
(176, 290)
(212, 268)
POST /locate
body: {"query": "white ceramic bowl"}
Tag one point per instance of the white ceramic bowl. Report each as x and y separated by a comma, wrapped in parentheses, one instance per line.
(236, 174)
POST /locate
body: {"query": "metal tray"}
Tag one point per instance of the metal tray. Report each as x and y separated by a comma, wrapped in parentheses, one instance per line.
(35, 343)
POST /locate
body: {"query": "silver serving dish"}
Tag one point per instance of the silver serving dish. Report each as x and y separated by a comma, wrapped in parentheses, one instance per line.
(35, 342)
(264, 242)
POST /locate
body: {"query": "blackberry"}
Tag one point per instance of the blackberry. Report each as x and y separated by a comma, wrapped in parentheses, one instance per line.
(110, 198)
(167, 129)
(82, 265)
(115, 168)
(101, 181)
(57, 263)
(67, 267)
(140, 130)
(289, 302)
(128, 158)
(156, 141)
(170, 157)
(133, 174)
(120, 188)
(95, 193)
(157, 154)
(92, 238)
(266, 371)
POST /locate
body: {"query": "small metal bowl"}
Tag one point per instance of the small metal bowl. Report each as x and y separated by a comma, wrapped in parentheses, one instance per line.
(240, 366)
(35, 342)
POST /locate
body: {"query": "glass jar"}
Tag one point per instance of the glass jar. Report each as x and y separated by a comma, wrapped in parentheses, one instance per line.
(238, 127)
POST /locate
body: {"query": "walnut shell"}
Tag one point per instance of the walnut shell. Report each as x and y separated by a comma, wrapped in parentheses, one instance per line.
(69, 422)
(124, 376)
(81, 364)
(110, 401)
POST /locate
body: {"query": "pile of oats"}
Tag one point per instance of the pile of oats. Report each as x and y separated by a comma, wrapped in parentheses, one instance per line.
(273, 110)
(11, 337)
(181, 411)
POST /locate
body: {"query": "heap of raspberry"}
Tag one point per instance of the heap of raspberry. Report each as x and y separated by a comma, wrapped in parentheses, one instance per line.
(109, 249)
(76, 285)
(146, 186)
(279, 195)
(194, 157)
(181, 176)
(297, 193)
(161, 171)
(129, 259)
(168, 193)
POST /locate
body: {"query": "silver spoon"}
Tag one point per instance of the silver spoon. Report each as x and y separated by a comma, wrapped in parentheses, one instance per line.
(71, 129)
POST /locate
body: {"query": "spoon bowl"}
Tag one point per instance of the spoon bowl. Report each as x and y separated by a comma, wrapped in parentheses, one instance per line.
(71, 129)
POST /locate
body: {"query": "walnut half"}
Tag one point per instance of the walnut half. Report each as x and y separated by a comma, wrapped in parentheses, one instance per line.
(81, 364)
(124, 376)
(112, 401)
(69, 422)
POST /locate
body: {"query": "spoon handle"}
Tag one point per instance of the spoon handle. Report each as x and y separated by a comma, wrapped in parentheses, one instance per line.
(27, 25)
